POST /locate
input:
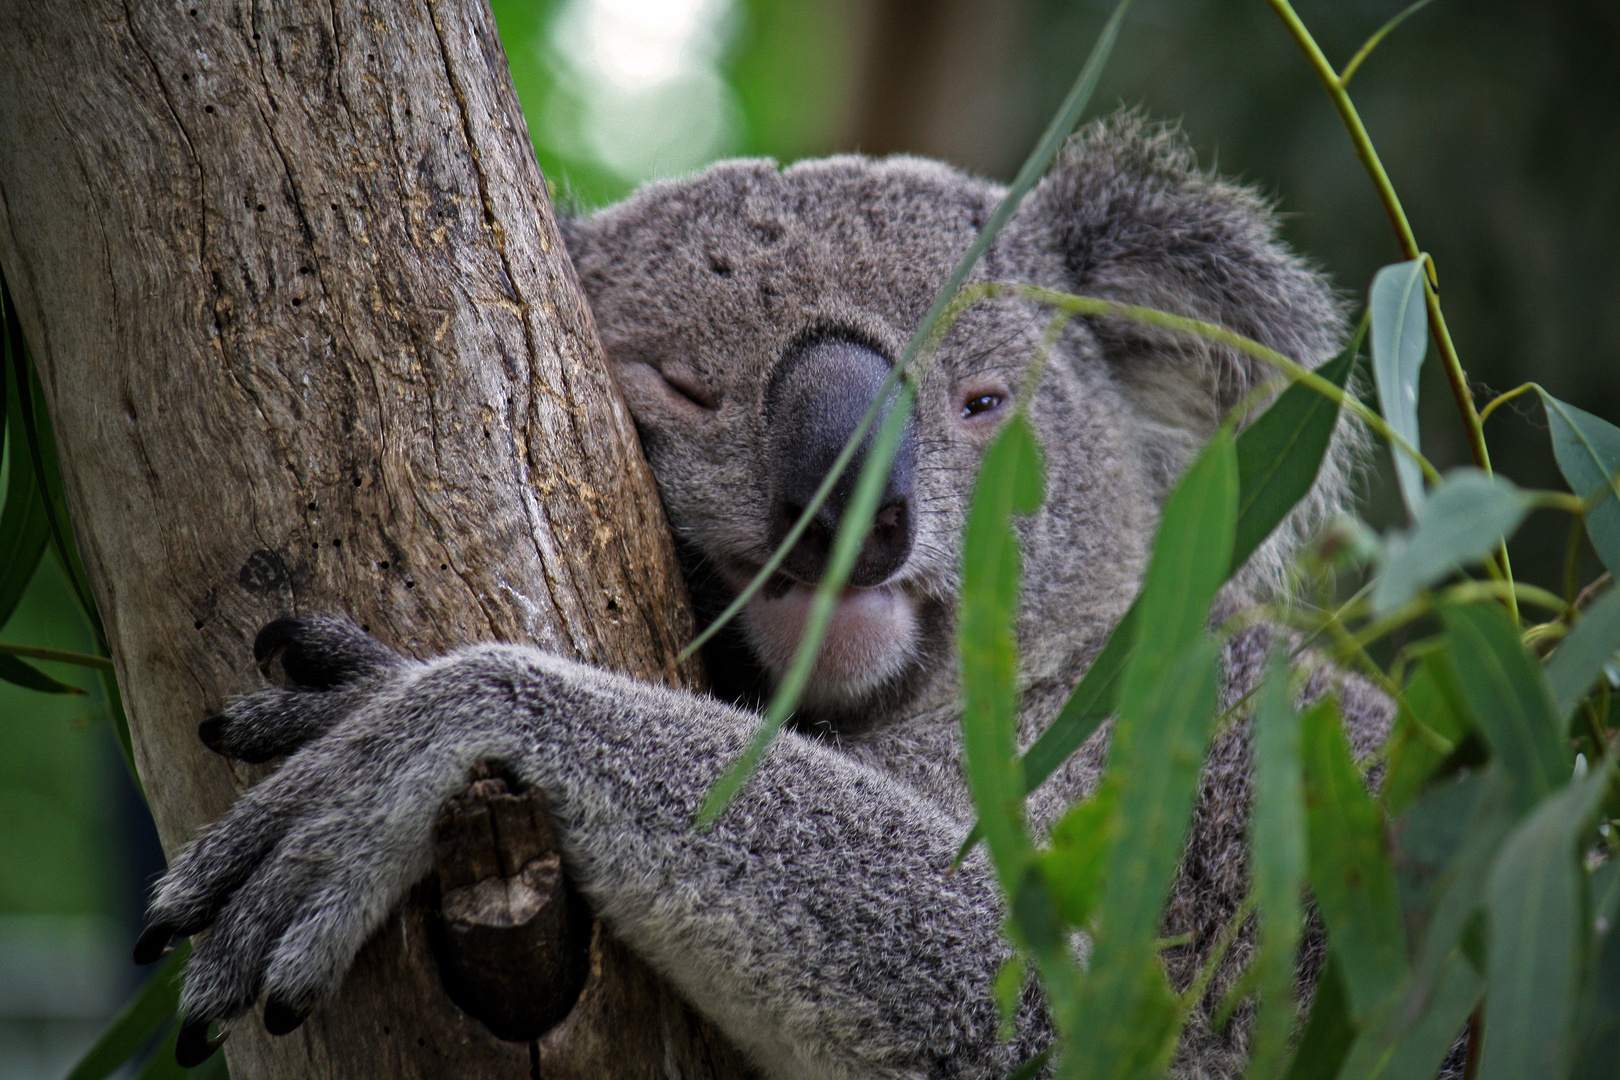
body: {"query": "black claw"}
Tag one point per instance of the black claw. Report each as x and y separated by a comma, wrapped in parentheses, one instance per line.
(154, 943)
(280, 1018)
(192, 1046)
(212, 732)
(274, 636)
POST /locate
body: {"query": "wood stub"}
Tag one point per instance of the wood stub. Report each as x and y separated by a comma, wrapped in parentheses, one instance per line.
(513, 936)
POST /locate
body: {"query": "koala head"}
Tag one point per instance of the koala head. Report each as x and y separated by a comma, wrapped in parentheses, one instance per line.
(750, 312)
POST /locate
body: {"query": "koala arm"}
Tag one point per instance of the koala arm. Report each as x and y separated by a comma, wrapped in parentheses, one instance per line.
(815, 923)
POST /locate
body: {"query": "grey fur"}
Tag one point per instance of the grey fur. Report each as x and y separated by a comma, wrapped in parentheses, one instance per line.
(816, 923)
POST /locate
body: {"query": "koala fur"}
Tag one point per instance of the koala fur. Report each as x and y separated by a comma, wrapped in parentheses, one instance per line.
(816, 923)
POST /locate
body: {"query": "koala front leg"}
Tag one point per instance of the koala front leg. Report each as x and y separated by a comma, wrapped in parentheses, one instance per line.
(815, 923)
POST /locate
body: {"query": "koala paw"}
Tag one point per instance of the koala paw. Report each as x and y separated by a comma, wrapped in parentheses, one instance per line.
(283, 890)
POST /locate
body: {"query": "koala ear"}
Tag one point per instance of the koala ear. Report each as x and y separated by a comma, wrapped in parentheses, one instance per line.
(1125, 214)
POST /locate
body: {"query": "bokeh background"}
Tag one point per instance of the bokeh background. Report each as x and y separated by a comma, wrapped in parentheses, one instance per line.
(1497, 121)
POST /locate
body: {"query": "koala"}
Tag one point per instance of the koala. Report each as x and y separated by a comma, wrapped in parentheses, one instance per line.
(750, 313)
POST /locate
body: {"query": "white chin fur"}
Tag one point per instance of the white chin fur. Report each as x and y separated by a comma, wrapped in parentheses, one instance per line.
(868, 640)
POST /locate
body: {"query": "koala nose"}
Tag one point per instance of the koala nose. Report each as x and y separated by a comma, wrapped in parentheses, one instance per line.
(814, 403)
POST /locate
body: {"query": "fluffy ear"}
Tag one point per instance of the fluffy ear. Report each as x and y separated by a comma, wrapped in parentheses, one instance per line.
(1126, 214)
(1130, 217)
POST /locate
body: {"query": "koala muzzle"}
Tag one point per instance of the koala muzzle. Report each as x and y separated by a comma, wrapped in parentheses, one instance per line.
(813, 405)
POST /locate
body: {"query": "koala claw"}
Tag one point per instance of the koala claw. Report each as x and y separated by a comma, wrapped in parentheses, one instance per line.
(280, 1018)
(193, 1045)
(155, 943)
(321, 652)
(212, 732)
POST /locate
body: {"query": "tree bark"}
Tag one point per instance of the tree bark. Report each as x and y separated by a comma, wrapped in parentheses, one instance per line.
(311, 342)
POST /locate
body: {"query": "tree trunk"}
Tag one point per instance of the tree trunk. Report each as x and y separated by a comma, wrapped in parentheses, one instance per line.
(311, 343)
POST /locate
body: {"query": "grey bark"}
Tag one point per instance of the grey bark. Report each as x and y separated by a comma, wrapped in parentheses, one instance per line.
(311, 343)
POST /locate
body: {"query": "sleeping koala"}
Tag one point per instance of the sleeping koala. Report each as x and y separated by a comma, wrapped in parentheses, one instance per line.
(750, 313)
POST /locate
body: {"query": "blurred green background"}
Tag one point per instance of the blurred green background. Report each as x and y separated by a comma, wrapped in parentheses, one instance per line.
(1497, 122)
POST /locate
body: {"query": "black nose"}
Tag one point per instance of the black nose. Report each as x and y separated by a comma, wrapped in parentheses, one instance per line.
(814, 403)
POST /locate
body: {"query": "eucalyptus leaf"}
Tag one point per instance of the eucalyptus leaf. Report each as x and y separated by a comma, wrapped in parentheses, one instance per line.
(1277, 861)
(1582, 656)
(1507, 695)
(24, 527)
(1588, 452)
(1350, 870)
(1076, 859)
(1280, 453)
(1329, 1031)
(21, 673)
(1412, 1045)
(1400, 337)
(1010, 482)
(1154, 761)
(1537, 900)
(152, 1007)
(1461, 521)
(1598, 1054)
(1430, 721)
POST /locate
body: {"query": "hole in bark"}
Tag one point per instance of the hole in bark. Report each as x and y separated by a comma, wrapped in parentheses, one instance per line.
(612, 604)
(366, 627)
(409, 584)
(372, 57)
(198, 625)
(382, 565)
(334, 206)
(297, 301)
(444, 566)
(305, 270)
(312, 506)
(193, 13)
(337, 543)
(357, 481)
(208, 108)
(185, 78)
(260, 208)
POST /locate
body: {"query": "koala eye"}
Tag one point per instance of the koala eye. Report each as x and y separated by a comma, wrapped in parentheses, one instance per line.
(981, 404)
(690, 390)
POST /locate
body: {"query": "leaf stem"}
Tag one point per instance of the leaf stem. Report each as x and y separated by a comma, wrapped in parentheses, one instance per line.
(1335, 85)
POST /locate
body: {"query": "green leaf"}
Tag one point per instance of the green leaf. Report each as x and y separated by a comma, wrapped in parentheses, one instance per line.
(1598, 1057)
(1411, 1045)
(22, 673)
(1508, 696)
(1400, 337)
(1076, 862)
(1446, 921)
(1581, 657)
(1328, 1032)
(152, 1007)
(1537, 903)
(24, 529)
(1431, 721)
(1588, 452)
(1154, 763)
(1461, 522)
(1277, 858)
(1010, 482)
(1350, 870)
(1281, 452)
(1191, 555)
